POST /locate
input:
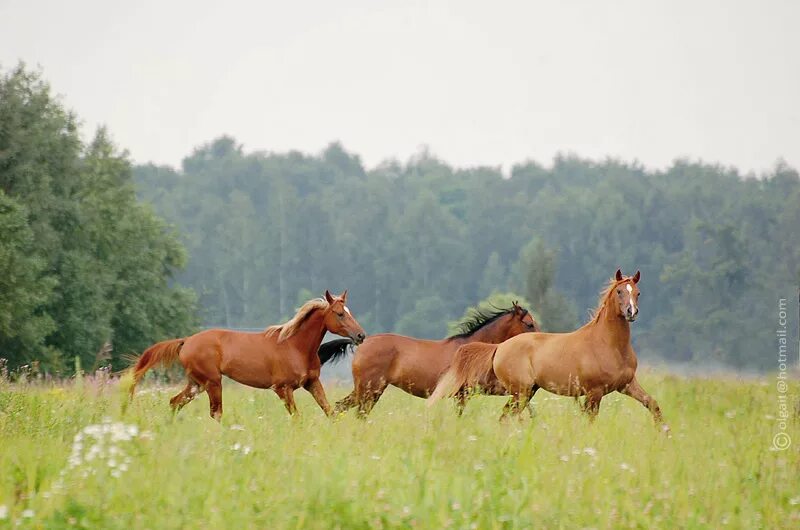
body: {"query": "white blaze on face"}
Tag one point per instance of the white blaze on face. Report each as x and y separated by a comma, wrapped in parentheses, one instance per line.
(630, 299)
(348, 310)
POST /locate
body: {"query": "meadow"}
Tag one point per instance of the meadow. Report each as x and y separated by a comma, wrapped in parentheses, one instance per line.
(71, 456)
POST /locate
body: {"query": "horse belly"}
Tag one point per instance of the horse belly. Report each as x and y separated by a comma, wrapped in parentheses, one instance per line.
(417, 374)
(248, 372)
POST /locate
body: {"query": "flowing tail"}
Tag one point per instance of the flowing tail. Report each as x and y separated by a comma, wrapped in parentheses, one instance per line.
(164, 353)
(335, 350)
(472, 366)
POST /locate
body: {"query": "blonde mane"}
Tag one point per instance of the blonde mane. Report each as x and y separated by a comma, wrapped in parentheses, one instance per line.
(290, 327)
(605, 294)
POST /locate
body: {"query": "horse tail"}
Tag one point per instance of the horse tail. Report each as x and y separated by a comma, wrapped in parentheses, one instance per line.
(335, 350)
(472, 363)
(164, 353)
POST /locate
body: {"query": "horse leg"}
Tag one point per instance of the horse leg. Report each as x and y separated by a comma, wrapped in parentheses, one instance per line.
(184, 396)
(529, 405)
(461, 400)
(591, 406)
(635, 390)
(367, 397)
(345, 404)
(286, 393)
(214, 390)
(316, 390)
(520, 399)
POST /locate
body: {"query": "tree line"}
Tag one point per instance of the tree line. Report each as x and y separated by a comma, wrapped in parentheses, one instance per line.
(415, 242)
(85, 268)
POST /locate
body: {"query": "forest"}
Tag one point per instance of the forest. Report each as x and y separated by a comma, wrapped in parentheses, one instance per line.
(101, 256)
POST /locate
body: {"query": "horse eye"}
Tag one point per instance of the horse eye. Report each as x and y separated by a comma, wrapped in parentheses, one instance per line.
(619, 291)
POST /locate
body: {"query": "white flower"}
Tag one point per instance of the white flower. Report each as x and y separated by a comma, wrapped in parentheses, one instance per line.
(564, 458)
(591, 451)
(236, 427)
(3, 511)
(27, 514)
(625, 467)
(472, 438)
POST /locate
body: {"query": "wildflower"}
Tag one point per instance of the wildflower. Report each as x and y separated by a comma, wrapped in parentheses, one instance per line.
(236, 427)
(564, 458)
(3, 512)
(472, 438)
(27, 514)
(625, 467)
(591, 451)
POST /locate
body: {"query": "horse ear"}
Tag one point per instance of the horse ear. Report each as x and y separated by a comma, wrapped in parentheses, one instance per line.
(328, 296)
(344, 296)
(636, 277)
(618, 275)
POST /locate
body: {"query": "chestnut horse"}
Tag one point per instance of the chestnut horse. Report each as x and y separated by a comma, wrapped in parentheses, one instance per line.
(592, 361)
(283, 358)
(414, 365)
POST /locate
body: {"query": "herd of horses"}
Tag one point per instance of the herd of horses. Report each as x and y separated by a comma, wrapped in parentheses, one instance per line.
(497, 353)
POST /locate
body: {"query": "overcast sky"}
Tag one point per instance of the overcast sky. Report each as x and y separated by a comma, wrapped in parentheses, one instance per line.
(478, 82)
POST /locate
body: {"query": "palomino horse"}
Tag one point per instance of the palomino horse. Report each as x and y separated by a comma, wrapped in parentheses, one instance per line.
(283, 358)
(593, 361)
(414, 365)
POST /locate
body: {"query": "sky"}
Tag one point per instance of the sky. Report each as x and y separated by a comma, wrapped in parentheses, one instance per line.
(476, 82)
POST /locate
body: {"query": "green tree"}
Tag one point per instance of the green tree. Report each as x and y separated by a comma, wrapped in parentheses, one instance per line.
(534, 275)
(98, 265)
(24, 286)
(425, 320)
(494, 276)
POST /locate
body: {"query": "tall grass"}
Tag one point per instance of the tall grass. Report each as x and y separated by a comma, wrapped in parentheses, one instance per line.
(407, 466)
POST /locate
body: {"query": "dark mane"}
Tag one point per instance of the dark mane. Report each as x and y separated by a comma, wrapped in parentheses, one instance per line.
(478, 319)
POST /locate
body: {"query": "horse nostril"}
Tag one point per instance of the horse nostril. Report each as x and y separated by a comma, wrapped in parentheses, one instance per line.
(361, 336)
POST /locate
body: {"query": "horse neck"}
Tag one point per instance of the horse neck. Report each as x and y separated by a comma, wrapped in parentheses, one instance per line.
(494, 333)
(611, 324)
(309, 335)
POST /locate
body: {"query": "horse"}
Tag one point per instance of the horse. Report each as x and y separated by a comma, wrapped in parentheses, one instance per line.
(414, 365)
(591, 361)
(283, 357)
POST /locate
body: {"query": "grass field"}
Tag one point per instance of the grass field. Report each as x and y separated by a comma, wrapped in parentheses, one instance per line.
(407, 466)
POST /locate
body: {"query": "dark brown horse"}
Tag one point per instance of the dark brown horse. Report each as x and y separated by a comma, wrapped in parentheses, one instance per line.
(283, 358)
(414, 365)
(592, 361)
